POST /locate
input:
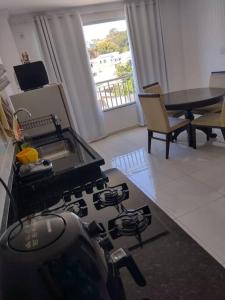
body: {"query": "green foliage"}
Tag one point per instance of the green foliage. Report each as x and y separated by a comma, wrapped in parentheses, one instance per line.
(126, 87)
(123, 69)
(119, 38)
(106, 46)
(114, 41)
(123, 88)
(93, 52)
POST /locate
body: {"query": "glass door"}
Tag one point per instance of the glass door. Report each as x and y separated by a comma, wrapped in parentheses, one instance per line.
(110, 60)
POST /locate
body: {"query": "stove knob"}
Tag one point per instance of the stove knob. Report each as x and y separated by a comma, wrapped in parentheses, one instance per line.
(100, 184)
(89, 187)
(77, 191)
(67, 196)
(106, 244)
(94, 229)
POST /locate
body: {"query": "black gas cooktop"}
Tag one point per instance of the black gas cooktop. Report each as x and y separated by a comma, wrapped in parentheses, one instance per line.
(173, 264)
(123, 221)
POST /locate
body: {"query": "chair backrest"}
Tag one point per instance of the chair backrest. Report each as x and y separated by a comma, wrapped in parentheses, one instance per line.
(222, 114)
(155, 112)
(153, 88)
(217, 80)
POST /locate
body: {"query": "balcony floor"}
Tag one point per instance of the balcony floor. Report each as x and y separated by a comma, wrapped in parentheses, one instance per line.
(189, 187)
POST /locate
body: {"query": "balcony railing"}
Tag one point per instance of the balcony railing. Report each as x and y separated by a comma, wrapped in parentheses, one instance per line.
(115, 92)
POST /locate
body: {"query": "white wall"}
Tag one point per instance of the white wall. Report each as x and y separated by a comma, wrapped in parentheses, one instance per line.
(172, 35)
(8, 51)
(203, 35)
(120, 118)
(101, 12)
(25, 35)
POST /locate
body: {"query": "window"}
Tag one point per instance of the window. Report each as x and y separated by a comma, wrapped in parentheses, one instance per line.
(110, 57)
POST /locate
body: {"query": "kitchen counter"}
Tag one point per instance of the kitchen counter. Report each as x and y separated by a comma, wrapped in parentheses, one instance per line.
(174, 265)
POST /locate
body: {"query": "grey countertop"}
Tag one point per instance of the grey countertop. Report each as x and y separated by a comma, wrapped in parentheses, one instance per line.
(175, 266)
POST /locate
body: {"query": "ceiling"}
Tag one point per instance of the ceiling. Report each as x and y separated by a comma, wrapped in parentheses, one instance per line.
(34, 5)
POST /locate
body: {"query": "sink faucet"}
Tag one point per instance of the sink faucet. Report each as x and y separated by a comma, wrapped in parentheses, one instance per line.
(57, 124)
(20, 110)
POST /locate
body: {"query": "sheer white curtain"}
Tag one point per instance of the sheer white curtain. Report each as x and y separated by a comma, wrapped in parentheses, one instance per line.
(66, 57)
(48, 50)
(146, 41)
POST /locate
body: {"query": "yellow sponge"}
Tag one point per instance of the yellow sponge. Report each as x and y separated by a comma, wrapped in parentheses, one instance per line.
(27, 155)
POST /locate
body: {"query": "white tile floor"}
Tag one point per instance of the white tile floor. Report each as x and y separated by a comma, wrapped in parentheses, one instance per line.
(190, 186)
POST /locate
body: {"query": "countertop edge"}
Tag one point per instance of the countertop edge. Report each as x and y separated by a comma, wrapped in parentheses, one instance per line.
(6, 173)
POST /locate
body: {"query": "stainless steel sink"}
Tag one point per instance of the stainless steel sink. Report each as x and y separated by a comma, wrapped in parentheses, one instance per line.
(56, 150)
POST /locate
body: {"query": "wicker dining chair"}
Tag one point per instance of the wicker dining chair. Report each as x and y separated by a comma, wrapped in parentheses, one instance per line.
(158, 121)
(155, 88)
(217, 80)
(209, 121)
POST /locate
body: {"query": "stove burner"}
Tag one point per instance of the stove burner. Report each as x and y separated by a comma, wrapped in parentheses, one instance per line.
(78, 207)
(130, 223)
(111, 196)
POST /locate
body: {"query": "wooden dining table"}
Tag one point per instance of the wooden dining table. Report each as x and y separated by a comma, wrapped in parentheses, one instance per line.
(188, 100)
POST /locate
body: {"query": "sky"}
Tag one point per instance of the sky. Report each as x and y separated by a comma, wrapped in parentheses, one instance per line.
(99, 31)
